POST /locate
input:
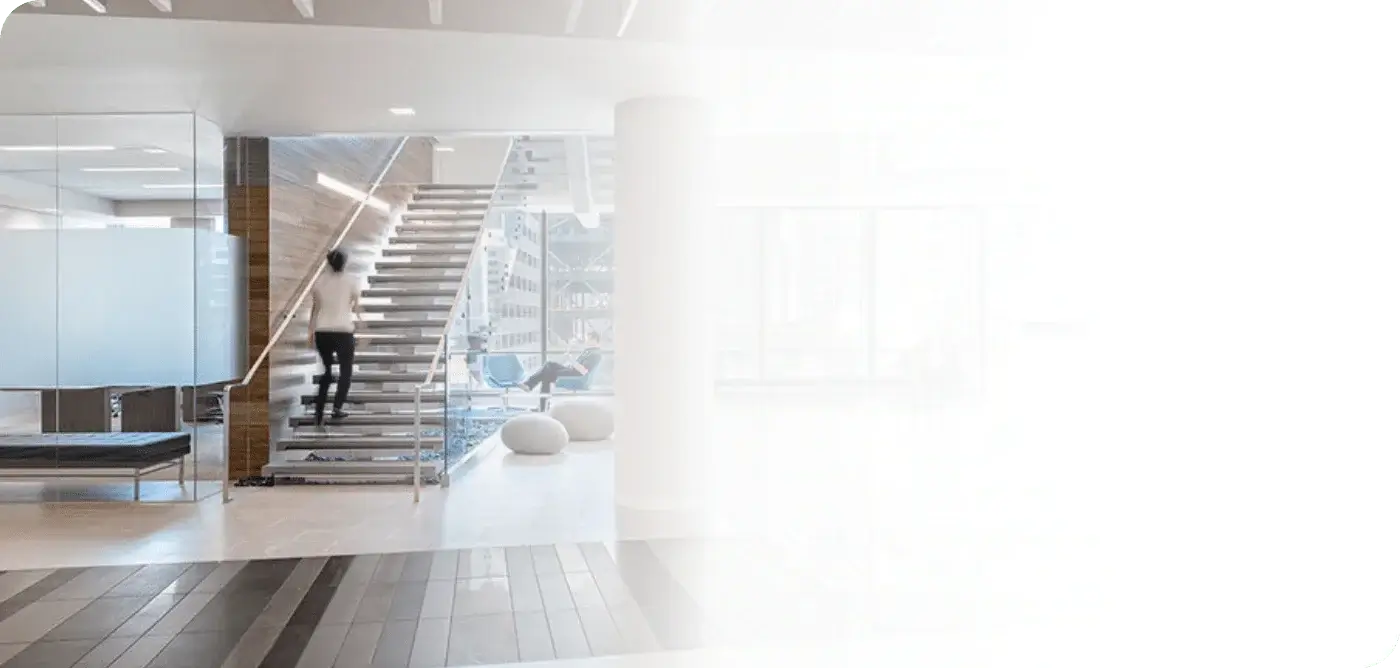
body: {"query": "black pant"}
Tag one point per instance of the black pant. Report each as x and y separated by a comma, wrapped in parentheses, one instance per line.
(549, 373)
(333, 347)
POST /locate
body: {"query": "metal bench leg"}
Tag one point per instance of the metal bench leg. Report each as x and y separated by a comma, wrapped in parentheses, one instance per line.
(136, 484)
(182, 471)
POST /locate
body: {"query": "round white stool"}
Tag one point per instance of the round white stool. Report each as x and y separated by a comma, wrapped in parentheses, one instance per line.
(534, 434)
(584, 420)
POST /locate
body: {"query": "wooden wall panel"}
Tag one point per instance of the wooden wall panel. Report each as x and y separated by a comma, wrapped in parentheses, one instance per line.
(246, 191)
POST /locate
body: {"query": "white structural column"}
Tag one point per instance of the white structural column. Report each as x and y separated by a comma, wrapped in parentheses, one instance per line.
(661, 312)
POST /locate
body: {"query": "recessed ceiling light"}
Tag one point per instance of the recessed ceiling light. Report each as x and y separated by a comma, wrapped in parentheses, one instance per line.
(116, 170)
(50, 149)
(180, 186)
(156, 151)
(444, 149)
(402, 111)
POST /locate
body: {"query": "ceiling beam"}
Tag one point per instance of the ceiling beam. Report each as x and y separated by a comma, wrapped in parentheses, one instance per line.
(99, 6)
(166, 6)
(307, 8)
(575, 11)
(435, 12)
(627, 17)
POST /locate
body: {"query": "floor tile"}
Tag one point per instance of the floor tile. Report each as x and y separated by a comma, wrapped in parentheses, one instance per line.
(417, 567)
(532, 636)
(633, 629)
(444, 566)
(390, 568)
(395, 646)
(602, 634)
(482, 562)
(91, 583)
(148, 580)
(407, 601)
(36, 591)
(250, 649)
(52, 654)
(525, 595)
(430, 643)
(567, 634)
(9, 650)
(36, 619)
(554, 590)
(519, 562)
(99, 619)
(437, 600)
(141, 652)
(482, 640)
(584, 590)
(323, 647)
(374, 605)
(481, 596)
(571, 558)
(106, 652)
(358, 649)
(15, 582)
(545, 560)
(150, 613)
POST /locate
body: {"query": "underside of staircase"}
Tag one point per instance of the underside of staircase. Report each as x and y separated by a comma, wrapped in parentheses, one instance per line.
(407, 303)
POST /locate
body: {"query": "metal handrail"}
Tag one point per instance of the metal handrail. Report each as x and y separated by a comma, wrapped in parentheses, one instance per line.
(291, 313)
(457, 303)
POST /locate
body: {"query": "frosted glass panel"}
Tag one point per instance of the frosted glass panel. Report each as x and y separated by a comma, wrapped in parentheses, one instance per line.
(126, 303)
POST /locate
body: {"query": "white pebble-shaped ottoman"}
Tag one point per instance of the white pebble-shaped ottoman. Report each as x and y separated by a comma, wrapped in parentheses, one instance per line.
(584, 420)
(534, 434)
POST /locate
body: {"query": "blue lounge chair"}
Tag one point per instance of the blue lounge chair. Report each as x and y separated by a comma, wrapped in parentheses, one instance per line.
(577, 383)
(503, 372)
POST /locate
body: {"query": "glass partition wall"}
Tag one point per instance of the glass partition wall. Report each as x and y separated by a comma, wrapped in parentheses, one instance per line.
(848, 295)
(804, 295)
(122, 299)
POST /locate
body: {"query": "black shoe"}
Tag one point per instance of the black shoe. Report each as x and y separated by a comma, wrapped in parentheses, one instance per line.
(339, 416)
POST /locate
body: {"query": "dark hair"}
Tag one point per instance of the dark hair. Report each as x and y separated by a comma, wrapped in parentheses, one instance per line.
(336, 260)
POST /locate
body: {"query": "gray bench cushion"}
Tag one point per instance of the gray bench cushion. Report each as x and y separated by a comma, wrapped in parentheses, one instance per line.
(92, 450)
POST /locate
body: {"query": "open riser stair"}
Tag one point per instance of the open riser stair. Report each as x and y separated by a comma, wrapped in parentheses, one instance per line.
(408, 300)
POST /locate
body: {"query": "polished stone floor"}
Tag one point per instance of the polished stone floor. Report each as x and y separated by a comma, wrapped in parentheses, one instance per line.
(444, 608)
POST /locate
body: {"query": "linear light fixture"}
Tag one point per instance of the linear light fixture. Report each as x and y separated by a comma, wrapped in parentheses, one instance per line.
(435, 12)
(120, 170)
(98, 6)
(402, 111)
(51, 149)
(166, 6)
(571, 22)
(180, 186)
(444, 149)
(342, 188)
(156, 151)
(307, 8)
(627, 17)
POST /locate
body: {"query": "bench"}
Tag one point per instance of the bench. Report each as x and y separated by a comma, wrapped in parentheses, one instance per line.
(112, 454)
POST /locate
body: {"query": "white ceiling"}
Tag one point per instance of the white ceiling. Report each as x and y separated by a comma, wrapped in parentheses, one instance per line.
(192, 146)
(286, 79)
(887, 25)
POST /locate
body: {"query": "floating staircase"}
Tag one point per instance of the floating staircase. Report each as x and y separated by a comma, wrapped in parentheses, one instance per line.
(407, 306)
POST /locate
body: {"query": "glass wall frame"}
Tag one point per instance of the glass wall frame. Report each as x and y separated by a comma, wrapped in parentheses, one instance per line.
(123, 296)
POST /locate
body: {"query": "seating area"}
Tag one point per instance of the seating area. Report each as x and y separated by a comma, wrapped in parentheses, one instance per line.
(93, 455)
(504, 372)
